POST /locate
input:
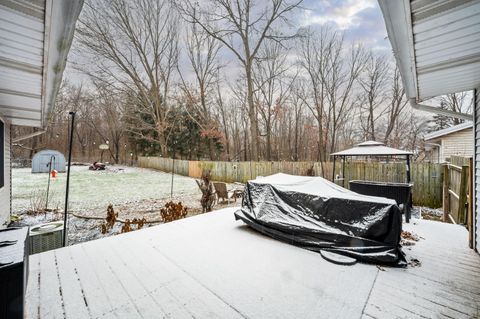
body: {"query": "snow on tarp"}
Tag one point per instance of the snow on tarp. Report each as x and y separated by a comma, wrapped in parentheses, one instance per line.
(316, 214)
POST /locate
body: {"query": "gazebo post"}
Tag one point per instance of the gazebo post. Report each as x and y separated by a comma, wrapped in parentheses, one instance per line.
(333, 174)
(343, 172)
(408, 169)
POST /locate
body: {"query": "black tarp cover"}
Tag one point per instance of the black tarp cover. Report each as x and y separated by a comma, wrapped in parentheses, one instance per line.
(316, 214)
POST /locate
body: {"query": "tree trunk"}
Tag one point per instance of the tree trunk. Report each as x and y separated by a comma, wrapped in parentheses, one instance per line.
(372, 124)
(211, 149)
(252, 114)
(227, 137)
(295, 155)
(269, 142)
(163, 144)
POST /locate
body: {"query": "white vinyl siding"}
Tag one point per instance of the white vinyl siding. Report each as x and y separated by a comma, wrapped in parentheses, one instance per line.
(459, 143)
(477, 166)
(5, 191)
(21, 58)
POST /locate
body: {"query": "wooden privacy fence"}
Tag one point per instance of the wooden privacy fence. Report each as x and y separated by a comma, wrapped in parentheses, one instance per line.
(457, 187)
(427, 177)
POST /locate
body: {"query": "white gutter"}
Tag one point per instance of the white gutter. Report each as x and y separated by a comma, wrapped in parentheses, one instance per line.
(437, 110)
(24, 137)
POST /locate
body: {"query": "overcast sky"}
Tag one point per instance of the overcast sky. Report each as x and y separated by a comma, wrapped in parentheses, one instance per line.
(361, 20)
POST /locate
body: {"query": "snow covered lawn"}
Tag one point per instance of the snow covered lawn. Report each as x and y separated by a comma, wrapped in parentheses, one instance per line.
(134, 193)
(93, 189)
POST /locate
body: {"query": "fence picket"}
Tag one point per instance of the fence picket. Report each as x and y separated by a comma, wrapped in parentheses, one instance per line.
(427, 177)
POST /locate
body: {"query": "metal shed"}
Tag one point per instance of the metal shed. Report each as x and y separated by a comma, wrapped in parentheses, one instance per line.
(41, 161)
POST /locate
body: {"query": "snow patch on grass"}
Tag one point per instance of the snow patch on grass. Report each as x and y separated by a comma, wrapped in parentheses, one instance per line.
(93, 189)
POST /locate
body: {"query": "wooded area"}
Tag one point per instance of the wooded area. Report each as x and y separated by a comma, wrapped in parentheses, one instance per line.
(427, 177)
(227, 80)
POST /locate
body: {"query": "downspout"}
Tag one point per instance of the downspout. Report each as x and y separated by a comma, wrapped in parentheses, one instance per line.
(432, 109)
(438, 146)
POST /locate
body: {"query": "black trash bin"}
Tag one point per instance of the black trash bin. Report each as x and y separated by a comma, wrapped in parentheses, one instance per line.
(13, 272)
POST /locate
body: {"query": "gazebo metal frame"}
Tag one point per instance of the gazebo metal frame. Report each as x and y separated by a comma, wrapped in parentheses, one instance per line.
(401, 192)
(370, 149)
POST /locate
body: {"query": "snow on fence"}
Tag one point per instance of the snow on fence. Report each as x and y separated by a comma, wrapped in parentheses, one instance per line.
(427, 177)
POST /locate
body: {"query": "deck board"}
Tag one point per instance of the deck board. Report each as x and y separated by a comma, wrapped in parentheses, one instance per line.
(48, 287)
(210, 266)
(97, 297)
(446, 285)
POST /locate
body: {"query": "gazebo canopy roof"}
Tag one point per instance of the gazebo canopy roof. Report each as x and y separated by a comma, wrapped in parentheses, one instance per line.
(371, 148)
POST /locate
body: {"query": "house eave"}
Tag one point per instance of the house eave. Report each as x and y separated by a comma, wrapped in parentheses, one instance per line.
(434, 43)
(37, 36)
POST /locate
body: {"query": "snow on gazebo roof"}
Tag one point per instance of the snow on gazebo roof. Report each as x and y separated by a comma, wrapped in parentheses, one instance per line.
(371, 148)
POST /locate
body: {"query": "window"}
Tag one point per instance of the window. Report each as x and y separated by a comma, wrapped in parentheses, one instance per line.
(2, 154)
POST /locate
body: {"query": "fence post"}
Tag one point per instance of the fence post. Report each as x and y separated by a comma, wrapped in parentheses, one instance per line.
(462, 196)
(446, 195)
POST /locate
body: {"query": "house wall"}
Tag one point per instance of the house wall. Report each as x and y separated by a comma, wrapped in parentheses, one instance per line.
(6, 190)
(433, 155)
(458, 143)
(477, 166)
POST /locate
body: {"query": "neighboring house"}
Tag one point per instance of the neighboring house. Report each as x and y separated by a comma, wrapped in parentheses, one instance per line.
(436, 47)
(35, 39)
(456, 140)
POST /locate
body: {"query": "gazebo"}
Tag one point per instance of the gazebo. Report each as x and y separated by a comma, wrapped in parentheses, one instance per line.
(401, 192)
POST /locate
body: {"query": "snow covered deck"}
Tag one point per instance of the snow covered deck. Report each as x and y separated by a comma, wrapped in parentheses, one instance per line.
(210, 266)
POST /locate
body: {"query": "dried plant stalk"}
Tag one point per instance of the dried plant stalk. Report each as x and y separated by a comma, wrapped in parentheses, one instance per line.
(173, 211)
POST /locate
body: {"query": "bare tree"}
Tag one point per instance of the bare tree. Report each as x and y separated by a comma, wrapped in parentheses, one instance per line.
(397, 105)
(276, 102)
(132, 47)
(79, 102)
(345, 68)
(457, 102)
(331, 69)
(271, 88)
(111, 109)
(373, 83)
(297, 107)
(223, 112)
(314, 50)
(242, 27)
(202, 51)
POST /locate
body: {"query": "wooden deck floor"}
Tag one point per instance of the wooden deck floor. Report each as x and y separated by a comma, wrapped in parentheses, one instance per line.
(210, 266)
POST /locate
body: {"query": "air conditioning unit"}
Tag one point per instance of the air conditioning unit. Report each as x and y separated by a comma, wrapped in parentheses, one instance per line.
(46, 237)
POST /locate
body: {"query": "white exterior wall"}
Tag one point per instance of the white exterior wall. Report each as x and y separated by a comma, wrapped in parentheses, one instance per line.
(21, 59)
(459, 143)
(433, 155)
(5, 191)
(477, 167)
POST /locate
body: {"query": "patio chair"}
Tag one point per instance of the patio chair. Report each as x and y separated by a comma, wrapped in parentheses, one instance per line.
(223, 193)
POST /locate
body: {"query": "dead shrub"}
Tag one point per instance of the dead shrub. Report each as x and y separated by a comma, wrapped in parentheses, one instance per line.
(109, 220)
(173, 211)
(128, 225)
(310, 171)
(38, 199)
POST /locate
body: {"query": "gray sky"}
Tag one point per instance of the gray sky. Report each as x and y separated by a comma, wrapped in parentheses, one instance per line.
(361, 20)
